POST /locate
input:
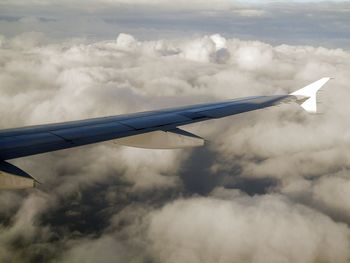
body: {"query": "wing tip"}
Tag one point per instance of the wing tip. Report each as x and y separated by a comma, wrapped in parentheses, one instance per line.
(307, 95)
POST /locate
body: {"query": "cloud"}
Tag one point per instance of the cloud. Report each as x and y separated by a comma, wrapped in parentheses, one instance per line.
(251, 12)
(105, 249)
(125, 204)
(90, 4)
(298, 23)
(327, 193)
(245, 229)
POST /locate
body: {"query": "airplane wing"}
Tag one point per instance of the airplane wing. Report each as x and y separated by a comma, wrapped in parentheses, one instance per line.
(151, 129)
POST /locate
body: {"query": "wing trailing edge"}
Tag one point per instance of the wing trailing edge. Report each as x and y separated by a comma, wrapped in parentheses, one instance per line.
(12, 177)
(172, 139)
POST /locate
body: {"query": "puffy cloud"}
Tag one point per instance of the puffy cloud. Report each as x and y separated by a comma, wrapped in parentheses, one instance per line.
(105, 249)
(24, 229)
(251, 12)
(326, 193)
(253, 56)
(127, 42)
(245, 229)
(112, 200)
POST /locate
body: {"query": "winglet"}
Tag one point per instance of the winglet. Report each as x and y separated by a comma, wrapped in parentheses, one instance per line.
(306, 96)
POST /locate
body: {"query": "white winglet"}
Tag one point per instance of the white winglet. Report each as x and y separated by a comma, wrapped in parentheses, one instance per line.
(307, 95)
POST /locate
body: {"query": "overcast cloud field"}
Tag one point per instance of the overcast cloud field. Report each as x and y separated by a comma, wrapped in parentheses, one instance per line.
(269, 186)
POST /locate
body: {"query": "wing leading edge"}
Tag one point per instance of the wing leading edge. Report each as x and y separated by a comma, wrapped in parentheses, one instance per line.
(152, 129)
(20, 142)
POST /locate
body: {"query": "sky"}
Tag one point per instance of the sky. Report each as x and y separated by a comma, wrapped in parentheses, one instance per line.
(324, 23)
(269, 186)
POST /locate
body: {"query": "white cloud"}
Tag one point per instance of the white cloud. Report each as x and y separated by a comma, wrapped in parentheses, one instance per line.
(245, 229)
(251, 12)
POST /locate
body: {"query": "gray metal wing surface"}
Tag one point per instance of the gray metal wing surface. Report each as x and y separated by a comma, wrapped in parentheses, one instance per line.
(151, 129)
(20, 142)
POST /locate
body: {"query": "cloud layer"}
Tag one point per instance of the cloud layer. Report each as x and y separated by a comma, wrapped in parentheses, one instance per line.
(245, 229)
(270, 186)
(295, 22)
